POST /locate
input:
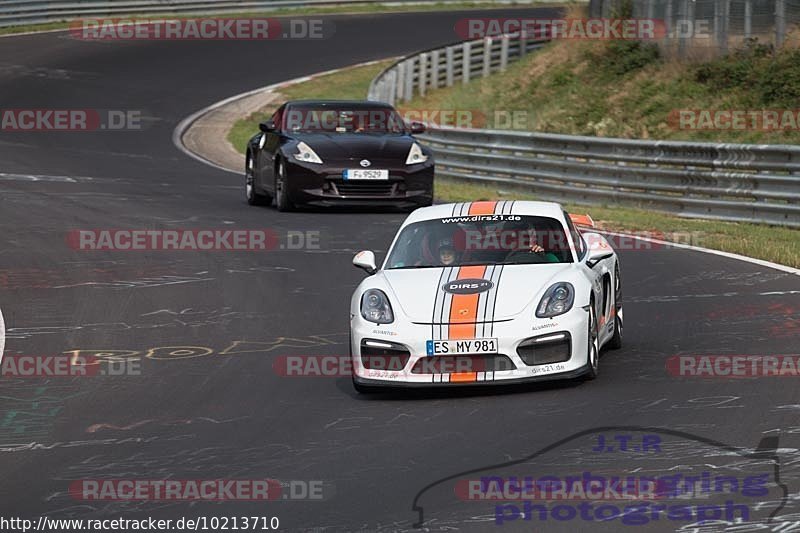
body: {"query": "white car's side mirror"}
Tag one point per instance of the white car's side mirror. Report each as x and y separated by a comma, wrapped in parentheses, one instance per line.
(599, 249)
(365, 260)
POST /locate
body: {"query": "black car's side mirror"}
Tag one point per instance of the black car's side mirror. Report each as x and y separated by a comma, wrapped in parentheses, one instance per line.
(267, 127)
(417, 127)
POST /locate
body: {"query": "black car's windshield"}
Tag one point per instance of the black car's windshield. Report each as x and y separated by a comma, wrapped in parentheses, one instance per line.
(329, 119)
(481, 240)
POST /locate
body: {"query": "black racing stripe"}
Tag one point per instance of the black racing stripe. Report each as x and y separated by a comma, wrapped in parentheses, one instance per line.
(494, 304)
(449, 278)
(511, 207)
(455, 206)
(498, 207)
(486, 304)
(435, 300)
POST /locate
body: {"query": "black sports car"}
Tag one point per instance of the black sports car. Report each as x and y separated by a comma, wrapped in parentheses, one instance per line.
(338, 153)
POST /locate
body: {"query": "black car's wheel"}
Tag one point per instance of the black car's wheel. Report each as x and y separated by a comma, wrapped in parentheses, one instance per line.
(253, 196)
(281, 189)
(593, 348)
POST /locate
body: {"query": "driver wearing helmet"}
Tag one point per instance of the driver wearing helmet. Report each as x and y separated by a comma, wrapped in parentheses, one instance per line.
(447, 252)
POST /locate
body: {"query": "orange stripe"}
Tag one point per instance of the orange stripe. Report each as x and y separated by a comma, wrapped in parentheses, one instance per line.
(464, 377)
(464, 307)
(482, 208)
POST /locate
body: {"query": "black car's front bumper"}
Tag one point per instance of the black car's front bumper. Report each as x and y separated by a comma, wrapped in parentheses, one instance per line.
(324, 185)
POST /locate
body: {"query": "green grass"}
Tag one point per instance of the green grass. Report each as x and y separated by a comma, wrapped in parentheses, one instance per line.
(349, 84)
(779, 245)
(298, 11)
(626, 89)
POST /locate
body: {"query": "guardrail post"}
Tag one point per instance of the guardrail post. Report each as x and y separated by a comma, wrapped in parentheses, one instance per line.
(668, 18)
(780, 22)
(448, 65)
(683, 12)
(401, 80)
(504, 52)
(408, 92)
(423, 74)
(392, 87)
(721, 25)
(466, 62)
(435, 69)
(748, 19)
(523, 43)
(487, 56)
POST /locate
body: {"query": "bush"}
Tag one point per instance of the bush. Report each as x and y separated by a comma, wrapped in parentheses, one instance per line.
(623, 57)
(769, 78)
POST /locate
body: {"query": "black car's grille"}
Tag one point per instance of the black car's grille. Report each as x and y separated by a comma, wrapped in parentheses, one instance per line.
(546, 349)
(450, 364)
(364, 189)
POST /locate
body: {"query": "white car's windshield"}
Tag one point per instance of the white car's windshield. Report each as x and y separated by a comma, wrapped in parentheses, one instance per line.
(480, 240)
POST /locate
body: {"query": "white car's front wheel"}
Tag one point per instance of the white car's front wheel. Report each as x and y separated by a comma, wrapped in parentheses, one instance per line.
(593, 346)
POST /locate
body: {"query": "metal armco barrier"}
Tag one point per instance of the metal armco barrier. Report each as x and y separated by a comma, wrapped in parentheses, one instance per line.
(738, 182)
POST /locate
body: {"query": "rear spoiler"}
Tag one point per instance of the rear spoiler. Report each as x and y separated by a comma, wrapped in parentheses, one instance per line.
(582, 220)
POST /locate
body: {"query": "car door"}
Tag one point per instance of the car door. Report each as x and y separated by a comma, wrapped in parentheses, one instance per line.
(270, 143)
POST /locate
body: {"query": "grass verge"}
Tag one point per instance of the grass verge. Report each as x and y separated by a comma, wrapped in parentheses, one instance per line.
(627, 89)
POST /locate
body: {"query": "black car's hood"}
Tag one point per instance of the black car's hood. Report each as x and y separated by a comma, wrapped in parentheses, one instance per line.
(357, 146)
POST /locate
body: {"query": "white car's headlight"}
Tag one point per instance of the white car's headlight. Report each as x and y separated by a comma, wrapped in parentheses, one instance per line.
(556, 301)
(375, 307)
(306, 154)
(415, 155)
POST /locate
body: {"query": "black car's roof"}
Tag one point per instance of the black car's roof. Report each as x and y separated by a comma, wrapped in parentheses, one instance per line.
(354, 104)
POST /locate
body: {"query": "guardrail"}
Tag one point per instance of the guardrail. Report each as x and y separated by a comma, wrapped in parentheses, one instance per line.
(442, 67)
(739, 182)
(19, 12)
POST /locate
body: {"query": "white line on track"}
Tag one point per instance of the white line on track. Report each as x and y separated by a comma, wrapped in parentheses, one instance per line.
(729, 255)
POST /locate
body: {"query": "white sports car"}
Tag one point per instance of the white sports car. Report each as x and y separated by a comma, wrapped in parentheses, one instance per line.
(486, 293)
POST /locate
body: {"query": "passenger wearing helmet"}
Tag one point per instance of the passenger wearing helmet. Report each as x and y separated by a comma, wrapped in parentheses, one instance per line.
(447, 252)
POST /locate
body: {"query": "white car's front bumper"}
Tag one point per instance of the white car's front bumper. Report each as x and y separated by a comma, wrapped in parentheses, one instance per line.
(406, 362)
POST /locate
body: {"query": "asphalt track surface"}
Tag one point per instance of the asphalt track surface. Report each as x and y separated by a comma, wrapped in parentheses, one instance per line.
(218, 409)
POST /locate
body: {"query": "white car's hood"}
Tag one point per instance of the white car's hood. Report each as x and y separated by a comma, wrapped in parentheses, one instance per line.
(419, 291)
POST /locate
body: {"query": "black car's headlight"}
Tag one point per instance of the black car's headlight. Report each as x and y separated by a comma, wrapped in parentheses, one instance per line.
(415, 155)
(556, 301)
(306, 154)
(375, 307)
